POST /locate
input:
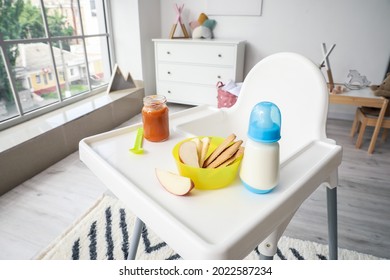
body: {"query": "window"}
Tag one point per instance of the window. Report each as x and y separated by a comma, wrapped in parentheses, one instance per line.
(55, 52)
(38, 79)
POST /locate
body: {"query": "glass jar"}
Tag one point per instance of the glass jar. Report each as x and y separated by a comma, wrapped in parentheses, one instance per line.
(155, 118)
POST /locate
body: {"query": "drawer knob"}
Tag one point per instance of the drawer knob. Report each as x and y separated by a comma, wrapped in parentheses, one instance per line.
(168, 52)
(219, 55)
(219, 76)
(169, 91)
(169, 72)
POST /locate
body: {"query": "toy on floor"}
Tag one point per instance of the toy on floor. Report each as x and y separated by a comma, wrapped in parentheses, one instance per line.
(203, 27)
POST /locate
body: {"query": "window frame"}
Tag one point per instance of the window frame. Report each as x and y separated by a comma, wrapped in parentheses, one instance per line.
(62, 102)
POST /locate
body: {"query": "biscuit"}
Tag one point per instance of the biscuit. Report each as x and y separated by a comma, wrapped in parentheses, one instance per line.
(219, 149)
(227, 162)
(225, 155)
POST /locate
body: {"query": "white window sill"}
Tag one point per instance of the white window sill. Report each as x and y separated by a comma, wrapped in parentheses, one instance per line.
(31, 147)
(30, 129)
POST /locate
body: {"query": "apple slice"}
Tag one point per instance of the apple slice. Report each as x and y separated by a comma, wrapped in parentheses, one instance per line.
(198, 147)
(174, 183)
(188, 153)
(205, 147)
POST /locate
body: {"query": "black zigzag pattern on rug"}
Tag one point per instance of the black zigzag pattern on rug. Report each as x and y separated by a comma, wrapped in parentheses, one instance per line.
(110, 245)
(104, 232)
(125, 232)
(109, 241)
(149, 248)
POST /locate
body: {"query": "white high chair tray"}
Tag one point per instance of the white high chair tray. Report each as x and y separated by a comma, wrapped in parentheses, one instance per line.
(226, 223)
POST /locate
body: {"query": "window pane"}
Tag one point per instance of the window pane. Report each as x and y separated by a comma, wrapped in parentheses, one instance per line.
(63, 17)
(31, 72)
(71, 66)
(7, 101)
(93, 17)
(47, 70)
(98, 61)
(21, 19)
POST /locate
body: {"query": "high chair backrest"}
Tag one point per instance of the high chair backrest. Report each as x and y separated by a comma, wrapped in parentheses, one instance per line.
(297, 87)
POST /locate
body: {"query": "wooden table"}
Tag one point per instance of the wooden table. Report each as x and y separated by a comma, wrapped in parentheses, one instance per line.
(363, 97)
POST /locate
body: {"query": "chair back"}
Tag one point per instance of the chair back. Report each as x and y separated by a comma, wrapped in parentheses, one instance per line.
(297, 87)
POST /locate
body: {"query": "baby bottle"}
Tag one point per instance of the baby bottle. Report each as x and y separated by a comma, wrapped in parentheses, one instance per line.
(260, 165)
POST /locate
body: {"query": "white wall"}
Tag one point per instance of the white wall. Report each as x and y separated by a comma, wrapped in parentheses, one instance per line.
(135, 23)
(359, 28)
(150, 22)
(126, 36)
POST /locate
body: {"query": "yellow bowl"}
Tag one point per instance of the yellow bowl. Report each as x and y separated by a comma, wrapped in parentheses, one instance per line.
(207, 178)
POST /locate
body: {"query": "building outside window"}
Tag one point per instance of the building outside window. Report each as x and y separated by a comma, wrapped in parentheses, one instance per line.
(53, 52)
(38, 79)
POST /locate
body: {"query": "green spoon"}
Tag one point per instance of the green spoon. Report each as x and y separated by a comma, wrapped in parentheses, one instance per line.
(137, 149)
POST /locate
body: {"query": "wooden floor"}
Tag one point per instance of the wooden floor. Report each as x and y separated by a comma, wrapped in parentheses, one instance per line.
(39, 210)
(363, 198)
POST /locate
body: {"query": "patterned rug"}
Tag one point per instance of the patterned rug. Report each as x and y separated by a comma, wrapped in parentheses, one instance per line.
(103, 233)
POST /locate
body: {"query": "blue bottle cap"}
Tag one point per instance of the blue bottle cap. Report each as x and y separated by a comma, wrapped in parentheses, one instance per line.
(264, 123)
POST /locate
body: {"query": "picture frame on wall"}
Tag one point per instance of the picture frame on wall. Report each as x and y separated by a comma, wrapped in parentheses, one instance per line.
(234, 8)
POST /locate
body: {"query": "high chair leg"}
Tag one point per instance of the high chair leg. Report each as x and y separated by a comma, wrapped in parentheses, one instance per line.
(331, 199)
(269, 246)
(139, 224)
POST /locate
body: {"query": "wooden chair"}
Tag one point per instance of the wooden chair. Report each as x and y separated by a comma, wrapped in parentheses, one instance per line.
(369, 117)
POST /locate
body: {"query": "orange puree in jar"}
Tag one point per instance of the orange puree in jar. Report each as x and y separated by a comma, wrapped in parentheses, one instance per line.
(155, 118)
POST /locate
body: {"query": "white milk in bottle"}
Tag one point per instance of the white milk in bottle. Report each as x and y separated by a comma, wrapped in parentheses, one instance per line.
(260, 165)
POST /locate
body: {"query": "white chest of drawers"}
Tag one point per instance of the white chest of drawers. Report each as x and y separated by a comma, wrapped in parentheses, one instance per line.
(187, 70)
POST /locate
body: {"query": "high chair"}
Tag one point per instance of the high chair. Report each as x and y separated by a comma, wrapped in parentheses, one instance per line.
(298, 88)
(230, 222)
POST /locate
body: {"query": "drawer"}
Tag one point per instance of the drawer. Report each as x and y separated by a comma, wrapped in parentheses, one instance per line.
(194, 73)
(197, 53)
(188, 93)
